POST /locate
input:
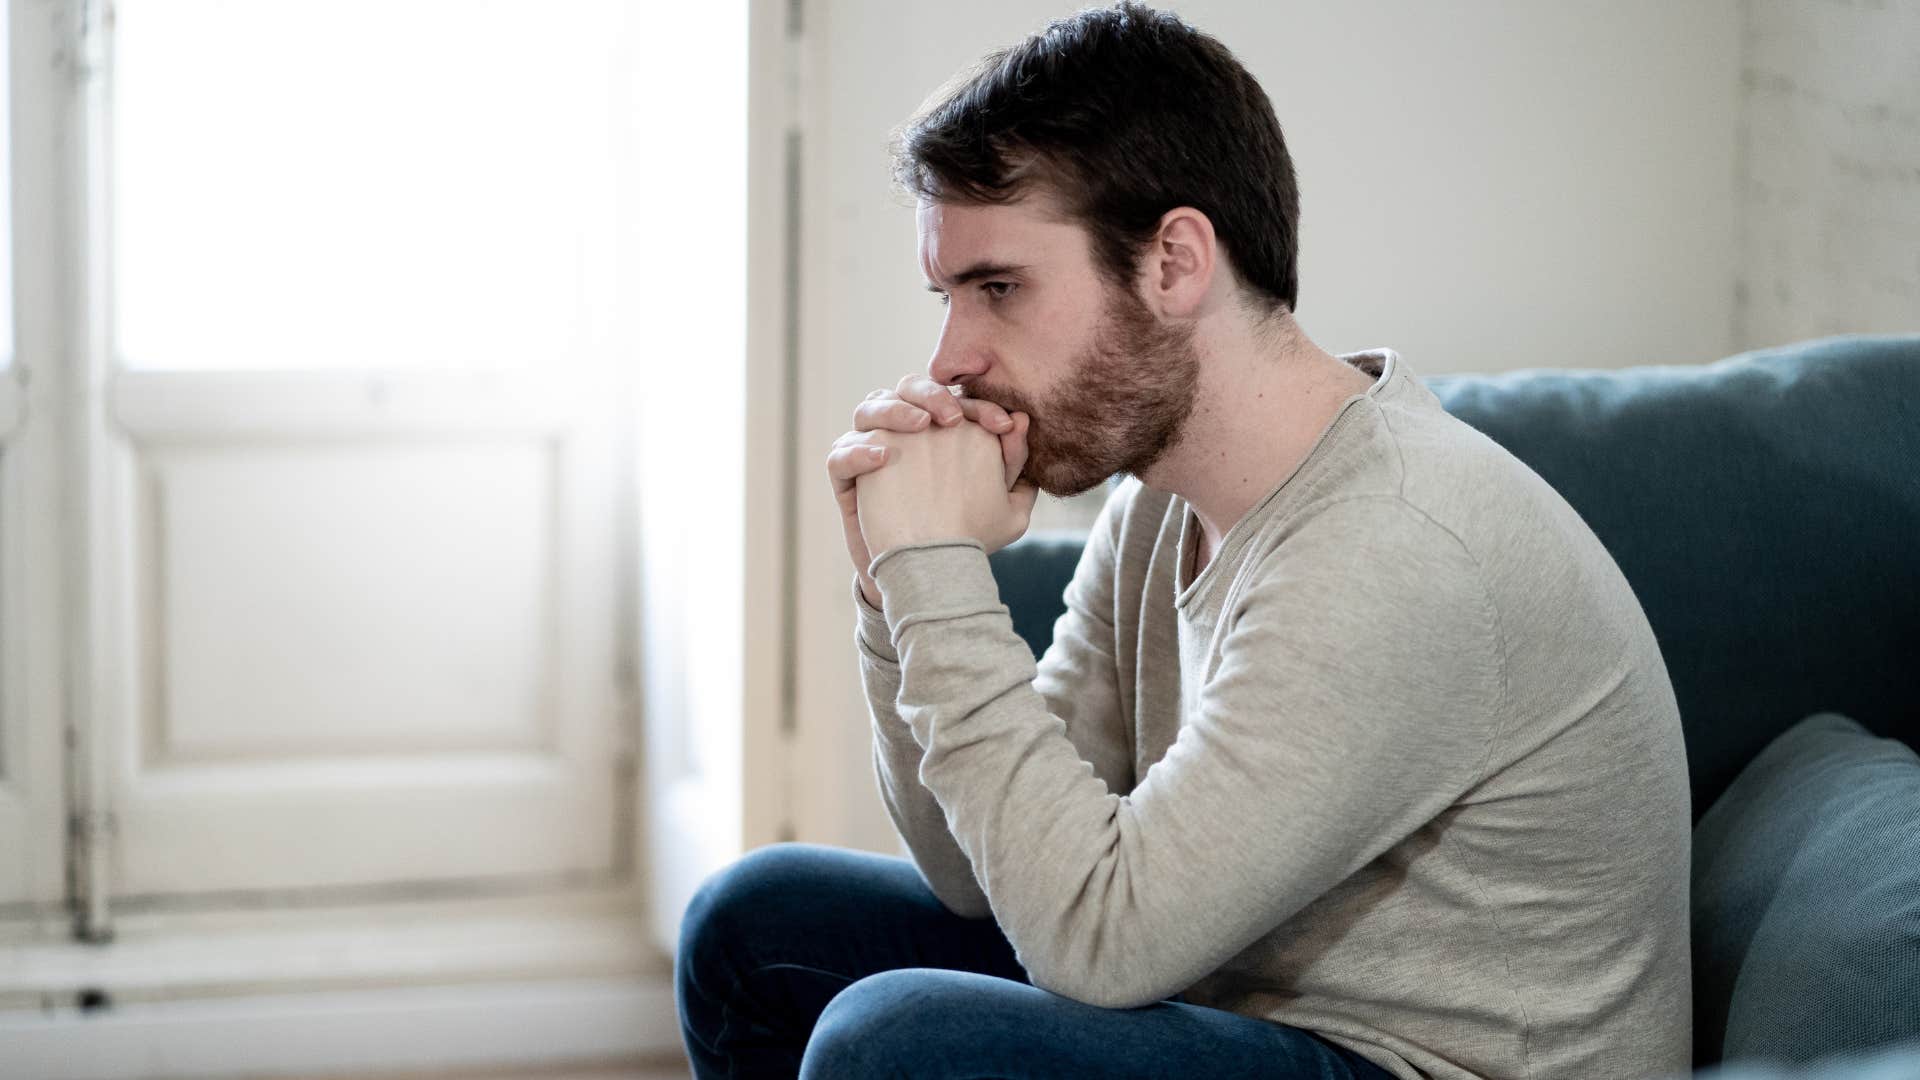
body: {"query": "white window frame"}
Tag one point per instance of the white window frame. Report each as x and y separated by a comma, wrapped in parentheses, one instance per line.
(181, 978)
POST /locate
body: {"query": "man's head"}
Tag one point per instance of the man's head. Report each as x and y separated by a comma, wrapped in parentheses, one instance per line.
(1126, 113)
(1068, 158)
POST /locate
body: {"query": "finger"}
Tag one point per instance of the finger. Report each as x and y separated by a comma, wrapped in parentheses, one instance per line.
(846, 463)
(865, 438)
(931, 396)
(877, 395)
(855, 438)
(889, 414)
(986, 414)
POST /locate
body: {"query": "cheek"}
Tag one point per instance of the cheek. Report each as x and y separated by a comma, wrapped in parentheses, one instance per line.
(1060, 333)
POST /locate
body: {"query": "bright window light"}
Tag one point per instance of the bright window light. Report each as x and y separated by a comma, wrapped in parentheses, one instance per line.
(304, 184)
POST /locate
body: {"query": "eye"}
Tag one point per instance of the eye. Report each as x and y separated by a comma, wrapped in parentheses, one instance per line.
(944, 299)
(997, 290)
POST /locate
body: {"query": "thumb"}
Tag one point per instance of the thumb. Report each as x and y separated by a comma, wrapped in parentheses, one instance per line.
(1020, 502)
(1013, 448)
(1024, 494)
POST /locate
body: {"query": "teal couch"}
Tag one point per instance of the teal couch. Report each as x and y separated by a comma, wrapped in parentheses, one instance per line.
(1766, 509)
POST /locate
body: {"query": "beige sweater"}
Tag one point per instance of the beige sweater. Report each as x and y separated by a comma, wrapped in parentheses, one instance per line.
(1402, 766)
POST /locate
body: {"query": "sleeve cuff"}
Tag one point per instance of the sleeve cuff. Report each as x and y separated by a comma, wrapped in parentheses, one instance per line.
(934, 581)
(872, 631)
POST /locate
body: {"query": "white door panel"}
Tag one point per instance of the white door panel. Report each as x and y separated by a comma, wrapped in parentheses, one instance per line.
(350, 445)
(366, 599)
(368, 641)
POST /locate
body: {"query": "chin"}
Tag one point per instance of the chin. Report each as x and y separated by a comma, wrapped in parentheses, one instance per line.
(1064, 481)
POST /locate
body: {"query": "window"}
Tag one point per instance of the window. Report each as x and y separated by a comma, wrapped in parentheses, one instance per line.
(361, 183)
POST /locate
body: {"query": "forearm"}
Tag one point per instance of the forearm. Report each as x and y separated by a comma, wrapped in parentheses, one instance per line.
(916, 814)
(1268, 799)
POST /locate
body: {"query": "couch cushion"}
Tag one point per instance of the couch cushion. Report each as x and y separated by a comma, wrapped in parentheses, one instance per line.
(1806, 899)
(1766, 510)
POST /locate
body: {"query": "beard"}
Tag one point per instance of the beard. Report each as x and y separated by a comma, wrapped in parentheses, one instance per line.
(1122, 406)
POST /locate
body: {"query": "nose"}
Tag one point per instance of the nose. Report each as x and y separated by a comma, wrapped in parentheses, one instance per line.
(958, 355)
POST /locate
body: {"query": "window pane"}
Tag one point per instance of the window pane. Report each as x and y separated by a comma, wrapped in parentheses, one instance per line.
(362, 183)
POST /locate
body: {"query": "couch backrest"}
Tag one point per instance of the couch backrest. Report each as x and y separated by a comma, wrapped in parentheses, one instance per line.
(1765, 509)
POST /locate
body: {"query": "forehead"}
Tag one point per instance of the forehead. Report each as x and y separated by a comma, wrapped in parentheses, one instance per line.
(954, 236)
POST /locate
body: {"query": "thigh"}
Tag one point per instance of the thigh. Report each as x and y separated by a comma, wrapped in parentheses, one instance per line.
(948, 1025)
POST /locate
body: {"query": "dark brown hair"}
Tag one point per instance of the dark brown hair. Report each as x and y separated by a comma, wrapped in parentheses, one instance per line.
(1123, 113)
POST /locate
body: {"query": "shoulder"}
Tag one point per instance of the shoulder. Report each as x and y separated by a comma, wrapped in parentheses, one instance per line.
(1364, 530)
(1372, 583)
(1371, 556)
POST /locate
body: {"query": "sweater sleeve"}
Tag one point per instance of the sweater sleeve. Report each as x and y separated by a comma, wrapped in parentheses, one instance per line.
(916, 815)
(1356, 695)
(1078, 679)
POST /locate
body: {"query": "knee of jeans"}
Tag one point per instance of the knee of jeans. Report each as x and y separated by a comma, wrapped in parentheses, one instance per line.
(743, 895)
(864, 1026)
(877, 1022)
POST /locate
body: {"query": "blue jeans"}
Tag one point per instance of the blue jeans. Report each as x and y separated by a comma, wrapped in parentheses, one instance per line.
(822, 962)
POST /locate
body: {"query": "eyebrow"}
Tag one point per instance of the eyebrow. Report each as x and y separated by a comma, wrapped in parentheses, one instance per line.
(978, 271)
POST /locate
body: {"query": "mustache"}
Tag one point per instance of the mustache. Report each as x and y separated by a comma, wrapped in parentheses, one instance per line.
(1012, 401)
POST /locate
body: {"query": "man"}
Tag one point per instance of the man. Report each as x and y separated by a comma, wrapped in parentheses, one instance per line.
(1353, 755)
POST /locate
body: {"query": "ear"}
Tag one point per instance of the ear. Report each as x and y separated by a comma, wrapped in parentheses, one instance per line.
(1180, 263)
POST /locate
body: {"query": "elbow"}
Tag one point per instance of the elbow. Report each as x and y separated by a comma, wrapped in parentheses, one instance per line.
(966, 904)
(958, 893)
(1102, 992)
(1123, 972)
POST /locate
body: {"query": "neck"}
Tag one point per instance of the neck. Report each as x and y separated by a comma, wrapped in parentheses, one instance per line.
(1265, 395)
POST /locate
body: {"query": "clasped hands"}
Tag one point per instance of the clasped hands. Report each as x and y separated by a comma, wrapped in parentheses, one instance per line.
(923, 464)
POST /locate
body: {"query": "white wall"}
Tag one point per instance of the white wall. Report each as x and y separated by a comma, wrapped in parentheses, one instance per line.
(1829, 169)
(1484, 186)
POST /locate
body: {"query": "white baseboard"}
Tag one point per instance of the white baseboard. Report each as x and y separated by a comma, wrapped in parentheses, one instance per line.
(543, 1023)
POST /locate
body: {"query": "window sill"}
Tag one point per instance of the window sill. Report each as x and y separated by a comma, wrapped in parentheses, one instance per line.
(162, 956)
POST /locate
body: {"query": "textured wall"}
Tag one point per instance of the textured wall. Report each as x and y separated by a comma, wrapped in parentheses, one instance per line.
(1829, 160)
